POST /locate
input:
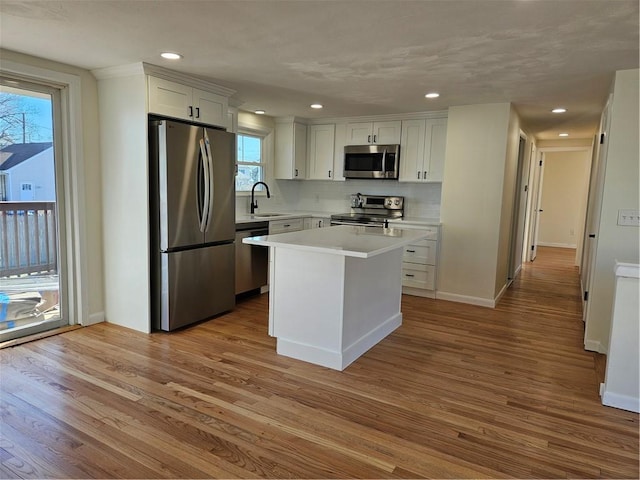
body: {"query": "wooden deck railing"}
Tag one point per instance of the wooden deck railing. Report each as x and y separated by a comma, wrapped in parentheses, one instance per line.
(28, 234)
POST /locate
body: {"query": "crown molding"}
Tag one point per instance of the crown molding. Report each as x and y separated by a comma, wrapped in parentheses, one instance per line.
(368, 118)
(142, 68)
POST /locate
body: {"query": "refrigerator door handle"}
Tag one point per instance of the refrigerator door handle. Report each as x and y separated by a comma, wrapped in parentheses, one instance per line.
(210, 183)
(205, 201)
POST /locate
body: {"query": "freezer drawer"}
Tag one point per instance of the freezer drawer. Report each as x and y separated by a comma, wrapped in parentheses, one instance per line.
(195, 285)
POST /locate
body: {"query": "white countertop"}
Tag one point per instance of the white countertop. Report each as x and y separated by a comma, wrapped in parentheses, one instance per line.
(345, 240)
(269, 216)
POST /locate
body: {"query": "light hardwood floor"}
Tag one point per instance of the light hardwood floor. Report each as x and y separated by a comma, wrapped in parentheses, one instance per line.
(457, 392)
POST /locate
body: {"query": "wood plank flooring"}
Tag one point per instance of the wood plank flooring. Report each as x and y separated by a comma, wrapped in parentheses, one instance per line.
(457, 392)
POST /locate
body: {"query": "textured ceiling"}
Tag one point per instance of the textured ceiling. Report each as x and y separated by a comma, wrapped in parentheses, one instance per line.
(357, 57)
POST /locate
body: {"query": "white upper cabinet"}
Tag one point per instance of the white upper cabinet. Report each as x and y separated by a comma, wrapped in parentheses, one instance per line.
(321, 139)
(291, 150)
(366, 133)
(176, 100)
(422, 150)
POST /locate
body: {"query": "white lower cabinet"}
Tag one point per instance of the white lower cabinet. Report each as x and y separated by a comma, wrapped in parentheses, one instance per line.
(419, 264)
(316, 222)
(282, 226)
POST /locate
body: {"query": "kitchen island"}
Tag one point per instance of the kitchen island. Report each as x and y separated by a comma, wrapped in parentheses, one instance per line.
(334, 292)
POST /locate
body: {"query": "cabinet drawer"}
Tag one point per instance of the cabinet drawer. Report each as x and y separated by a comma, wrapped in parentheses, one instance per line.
(281, 226)
(419, 278)
(423, 252)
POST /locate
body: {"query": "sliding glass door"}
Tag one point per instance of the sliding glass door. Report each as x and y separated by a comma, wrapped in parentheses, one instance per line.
(32, 293)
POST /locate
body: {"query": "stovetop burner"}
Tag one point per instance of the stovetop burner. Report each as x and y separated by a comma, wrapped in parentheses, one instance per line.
(370, 210)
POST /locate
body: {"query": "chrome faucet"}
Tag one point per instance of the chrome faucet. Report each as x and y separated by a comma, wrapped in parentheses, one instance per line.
(254, 204)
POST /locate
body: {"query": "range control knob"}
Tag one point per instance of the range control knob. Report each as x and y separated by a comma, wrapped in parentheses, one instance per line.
(397, 202)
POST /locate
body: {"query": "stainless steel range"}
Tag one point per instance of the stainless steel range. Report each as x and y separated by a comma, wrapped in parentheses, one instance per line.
(370, 210)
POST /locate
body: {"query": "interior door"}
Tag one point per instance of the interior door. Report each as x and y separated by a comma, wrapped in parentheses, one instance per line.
(537, 210)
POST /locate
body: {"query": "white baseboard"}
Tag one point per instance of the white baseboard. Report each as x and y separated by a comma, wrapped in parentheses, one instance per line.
(557, 245)
(500, 294)
(418, 292)
(454, 297)
(624, 402)
(337, 360)
(594, 346)
(94, 318)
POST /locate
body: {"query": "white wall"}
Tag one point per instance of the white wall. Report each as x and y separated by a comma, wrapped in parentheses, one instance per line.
(564, 193)
(621, 191)
(123, 126)
(472, 196)
(508, 203)
(38, 170)
(90, 158)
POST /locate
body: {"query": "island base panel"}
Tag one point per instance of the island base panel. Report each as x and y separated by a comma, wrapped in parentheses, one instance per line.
(330, 309)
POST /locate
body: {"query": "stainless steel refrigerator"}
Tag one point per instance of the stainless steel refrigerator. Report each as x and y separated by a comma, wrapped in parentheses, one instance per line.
(192, 219)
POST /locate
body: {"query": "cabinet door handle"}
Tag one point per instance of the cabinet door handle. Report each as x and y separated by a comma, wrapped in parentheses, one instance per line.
(329, 173)
(197, 112)
(374, 138)
(296, 172)
(286, 225)
(190, 111)
(418, 174)
(424, 177)
(368, 138)
(410, 251)
(408, 275)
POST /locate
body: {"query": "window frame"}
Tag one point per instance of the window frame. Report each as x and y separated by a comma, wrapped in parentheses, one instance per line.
(264, 161)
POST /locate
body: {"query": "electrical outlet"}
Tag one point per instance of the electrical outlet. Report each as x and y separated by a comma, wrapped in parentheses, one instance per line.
(629, 218)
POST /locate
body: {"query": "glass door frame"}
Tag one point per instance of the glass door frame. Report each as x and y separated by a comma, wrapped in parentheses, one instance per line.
(56, 107)
(73, 153)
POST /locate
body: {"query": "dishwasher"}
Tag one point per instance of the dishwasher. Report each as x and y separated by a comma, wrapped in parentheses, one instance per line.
(252, 262)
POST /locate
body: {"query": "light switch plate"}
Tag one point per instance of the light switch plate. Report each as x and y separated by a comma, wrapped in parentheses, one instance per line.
(630, 218)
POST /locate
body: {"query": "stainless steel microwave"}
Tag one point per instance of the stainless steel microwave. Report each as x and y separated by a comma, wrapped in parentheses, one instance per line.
(371, 161)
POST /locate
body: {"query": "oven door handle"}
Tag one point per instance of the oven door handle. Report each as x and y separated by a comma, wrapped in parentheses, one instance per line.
(355, 224)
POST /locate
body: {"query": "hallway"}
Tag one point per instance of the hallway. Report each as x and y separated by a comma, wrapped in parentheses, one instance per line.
(458, 391)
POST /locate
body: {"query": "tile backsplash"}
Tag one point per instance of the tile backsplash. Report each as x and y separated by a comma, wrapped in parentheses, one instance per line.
(421, 200)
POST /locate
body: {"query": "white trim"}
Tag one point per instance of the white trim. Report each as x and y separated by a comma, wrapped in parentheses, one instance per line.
(557, 245)
(623, 402)
(418, 292)
(140, 68)
(565, 149)
(454, 297)
(594, 346)
(368, 118)
(504, 288)
(335, 359)
(74, 181)
(627, 270)
(94, 318)
(118, 71)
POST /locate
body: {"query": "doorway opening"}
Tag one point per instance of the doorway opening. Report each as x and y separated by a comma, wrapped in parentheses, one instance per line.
(32, 273)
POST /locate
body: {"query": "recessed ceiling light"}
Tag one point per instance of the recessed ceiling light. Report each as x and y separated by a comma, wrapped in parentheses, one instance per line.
(259, 112)
(432, 95)
(171, 55)
(315, 105)
(559, 110)
(563, 135)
